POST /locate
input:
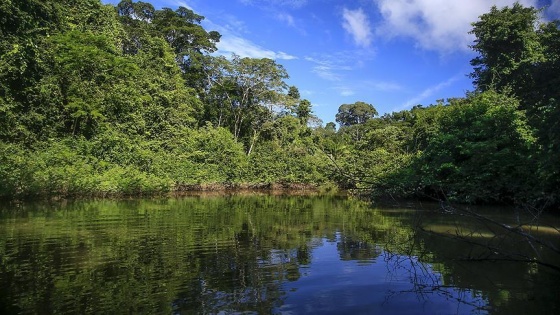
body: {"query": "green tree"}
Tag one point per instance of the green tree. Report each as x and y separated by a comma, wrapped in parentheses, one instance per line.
(354, 114)
(508, 48)
(353, 117)
(251, 88)
(480, 152)
(303, 111)
(27, 97)
(180, 28)
(293, 92)
(86, 65)
(521, 57)
(330, 127)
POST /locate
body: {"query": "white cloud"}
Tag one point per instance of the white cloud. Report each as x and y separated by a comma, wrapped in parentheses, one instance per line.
(440, 25)
(287, 18)
(290, 3)
(345, 91)
(307, 92)
(430, 91)
(554, 8)
(233, 24)
(365, 87)
(383, 86)
(183, 4)
(327, 68)
(230, 43)
(357, 24)
(334, 66)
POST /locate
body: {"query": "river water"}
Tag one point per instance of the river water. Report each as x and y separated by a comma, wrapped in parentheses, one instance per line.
(263, 254)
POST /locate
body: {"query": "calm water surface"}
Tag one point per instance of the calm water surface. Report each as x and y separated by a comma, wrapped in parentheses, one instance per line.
(264, 255)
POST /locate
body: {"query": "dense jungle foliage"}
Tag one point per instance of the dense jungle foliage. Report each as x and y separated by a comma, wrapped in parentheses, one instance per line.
(103, 100)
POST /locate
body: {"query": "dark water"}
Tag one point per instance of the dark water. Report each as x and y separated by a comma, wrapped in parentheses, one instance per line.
(266, 255)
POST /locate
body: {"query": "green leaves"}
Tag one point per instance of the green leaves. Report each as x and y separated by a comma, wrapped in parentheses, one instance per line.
(480, 152)
(355, 114)
(519, 57)
(507, 42)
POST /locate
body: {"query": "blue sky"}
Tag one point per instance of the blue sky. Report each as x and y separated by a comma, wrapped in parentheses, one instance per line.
(393, 54)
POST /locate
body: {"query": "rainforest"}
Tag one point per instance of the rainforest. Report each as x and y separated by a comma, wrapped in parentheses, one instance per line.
(142, 171)
(103, 100)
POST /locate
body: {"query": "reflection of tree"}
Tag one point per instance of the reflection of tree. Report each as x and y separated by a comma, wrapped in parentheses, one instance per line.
(242, 277)
(357, 250)
(523, 240)
(231, 254)
(426, 283)
(478, 251)
(192, 255)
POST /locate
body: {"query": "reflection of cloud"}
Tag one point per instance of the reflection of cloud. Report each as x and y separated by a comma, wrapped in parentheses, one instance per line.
(440, 25)
(430, 91)
(357, 24)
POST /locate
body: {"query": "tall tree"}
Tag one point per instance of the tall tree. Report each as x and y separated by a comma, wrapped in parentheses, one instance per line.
(355, 114)
(251, 88)
(293, 92)
(518, 56)
(303, 111)
(480, 151)
(180, 28)
(28, 89)
(508, 48)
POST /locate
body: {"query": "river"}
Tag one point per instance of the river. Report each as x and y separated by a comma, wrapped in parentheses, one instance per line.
(264, 254)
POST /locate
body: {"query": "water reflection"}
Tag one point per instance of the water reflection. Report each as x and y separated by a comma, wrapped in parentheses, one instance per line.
(250, 255)
(382, 283)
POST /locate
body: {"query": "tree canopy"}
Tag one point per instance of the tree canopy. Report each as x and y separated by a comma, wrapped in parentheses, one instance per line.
(354, 114)
(128, 99)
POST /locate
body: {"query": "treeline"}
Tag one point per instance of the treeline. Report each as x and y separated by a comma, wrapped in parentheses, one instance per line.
(97, 99)
(498, 144)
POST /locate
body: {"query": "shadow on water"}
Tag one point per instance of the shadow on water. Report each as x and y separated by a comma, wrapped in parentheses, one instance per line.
(254, 255)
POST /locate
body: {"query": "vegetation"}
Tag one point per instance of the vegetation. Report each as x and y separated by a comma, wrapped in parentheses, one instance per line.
(97, 99)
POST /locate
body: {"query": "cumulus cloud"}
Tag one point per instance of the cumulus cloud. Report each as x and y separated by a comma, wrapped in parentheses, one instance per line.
(440, 25)
(357, 24)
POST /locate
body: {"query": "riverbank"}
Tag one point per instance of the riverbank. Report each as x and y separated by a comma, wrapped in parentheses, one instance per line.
(216, 189)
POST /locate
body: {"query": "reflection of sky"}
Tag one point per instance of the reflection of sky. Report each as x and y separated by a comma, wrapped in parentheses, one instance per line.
(397, 285)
